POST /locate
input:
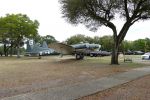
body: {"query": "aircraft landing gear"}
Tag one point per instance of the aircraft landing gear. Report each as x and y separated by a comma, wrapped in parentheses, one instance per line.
(79, 56)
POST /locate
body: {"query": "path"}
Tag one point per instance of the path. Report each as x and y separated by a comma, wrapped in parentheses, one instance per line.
(75, 91)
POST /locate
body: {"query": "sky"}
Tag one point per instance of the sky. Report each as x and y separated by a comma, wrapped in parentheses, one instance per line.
(48, 14)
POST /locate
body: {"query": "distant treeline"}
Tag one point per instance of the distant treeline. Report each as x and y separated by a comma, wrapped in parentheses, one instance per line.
(107, 43)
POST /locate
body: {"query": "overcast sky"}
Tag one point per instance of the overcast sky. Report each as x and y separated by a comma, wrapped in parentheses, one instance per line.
(48, 13)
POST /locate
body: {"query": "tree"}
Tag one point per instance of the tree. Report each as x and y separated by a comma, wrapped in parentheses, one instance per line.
(38, 39)
(16, 28)
(49, 39)
(79, 38)
(139, 45)
(76, 39)
(89, 39)
(94, 13)
(106, 43)
(127, 46)
(147, 45)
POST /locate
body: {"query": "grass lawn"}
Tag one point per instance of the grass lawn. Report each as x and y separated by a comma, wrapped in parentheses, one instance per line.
(27, 71)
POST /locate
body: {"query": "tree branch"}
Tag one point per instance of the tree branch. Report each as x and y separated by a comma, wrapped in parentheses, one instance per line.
(123, 31)
(126, 10)
(136, 11)
(103, 20)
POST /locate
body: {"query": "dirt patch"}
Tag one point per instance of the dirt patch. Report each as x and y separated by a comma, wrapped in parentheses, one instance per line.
(135, 90)
(28, 73)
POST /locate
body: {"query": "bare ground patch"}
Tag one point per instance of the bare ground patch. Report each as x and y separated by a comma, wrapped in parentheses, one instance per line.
(28, 73)
(135, 90)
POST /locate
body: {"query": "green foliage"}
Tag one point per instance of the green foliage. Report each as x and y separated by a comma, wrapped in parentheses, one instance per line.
(38, 39)
(147, 45)
(76, 39)
(127, 45)
(139, 44)
(92, 13)
(79, 38)
(48, 39)
(106, 43)
(142, 44)
(15, 28)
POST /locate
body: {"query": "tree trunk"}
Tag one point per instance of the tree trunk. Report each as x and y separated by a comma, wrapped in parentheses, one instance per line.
(114, 57)
(18, 51)
(5, 50)
(118, 40)
(11, 51)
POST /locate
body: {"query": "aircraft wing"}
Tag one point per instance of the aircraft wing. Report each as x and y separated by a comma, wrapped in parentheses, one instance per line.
(62, 48)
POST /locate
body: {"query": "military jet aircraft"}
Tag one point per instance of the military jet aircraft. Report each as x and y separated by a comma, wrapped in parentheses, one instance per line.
(34, 49)
(79, 50)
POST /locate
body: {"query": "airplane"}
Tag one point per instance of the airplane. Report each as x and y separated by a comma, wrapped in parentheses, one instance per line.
(79, 50)
(34, 49)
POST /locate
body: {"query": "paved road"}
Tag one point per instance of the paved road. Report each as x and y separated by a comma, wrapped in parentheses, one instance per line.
(74, 91)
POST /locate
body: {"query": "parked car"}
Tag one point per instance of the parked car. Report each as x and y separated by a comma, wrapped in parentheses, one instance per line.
(138, 53)
(146, 56)
(129, 52)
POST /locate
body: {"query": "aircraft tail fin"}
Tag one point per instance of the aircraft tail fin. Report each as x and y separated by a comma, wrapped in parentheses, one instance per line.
(29, 48)
(44, 45)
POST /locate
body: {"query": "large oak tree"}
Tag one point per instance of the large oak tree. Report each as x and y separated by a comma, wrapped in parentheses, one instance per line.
(14, 28)
(94, 13)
